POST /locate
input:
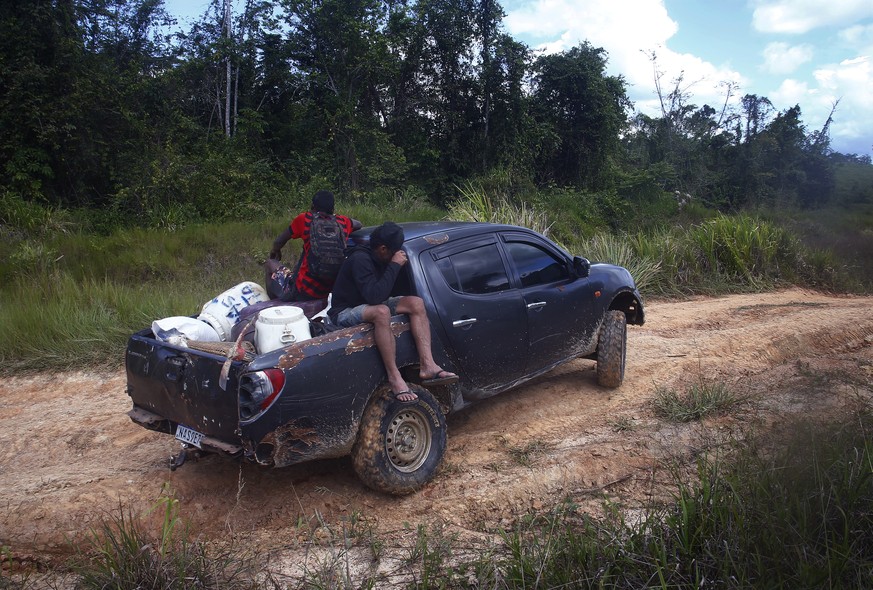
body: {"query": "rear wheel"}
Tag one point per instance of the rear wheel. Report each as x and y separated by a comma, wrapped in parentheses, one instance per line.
(612, 349)
(400, 444)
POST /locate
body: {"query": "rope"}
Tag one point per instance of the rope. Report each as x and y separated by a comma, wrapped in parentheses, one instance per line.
(224, 348)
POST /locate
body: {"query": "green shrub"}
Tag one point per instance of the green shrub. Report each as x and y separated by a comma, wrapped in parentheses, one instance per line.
(30, 217)
(222, 182)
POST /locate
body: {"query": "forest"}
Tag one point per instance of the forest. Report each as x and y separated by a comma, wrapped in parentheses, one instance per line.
(110, 107)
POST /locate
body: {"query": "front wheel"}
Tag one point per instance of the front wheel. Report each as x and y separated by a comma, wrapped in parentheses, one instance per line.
(400, 444)
(612, 349)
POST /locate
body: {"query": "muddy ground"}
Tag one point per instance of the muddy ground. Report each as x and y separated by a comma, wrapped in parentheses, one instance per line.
(69, 455)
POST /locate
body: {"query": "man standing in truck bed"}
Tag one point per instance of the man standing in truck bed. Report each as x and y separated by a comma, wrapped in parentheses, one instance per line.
(362, 294)
(314, 275)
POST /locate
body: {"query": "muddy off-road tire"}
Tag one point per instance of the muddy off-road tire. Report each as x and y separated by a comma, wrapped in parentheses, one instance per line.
(400, 445)
(612, 349)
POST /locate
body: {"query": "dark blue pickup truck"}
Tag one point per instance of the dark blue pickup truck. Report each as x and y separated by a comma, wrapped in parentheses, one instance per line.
(505, 305)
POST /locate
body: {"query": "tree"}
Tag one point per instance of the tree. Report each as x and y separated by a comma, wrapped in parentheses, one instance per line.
(584, 111)
(40, 53)
(340, 49)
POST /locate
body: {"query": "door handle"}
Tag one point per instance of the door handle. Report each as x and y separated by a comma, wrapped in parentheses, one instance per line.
(463, 323)
(536, 305)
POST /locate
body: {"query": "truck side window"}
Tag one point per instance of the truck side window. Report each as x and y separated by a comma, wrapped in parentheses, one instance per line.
(536, 266)
(476, 271)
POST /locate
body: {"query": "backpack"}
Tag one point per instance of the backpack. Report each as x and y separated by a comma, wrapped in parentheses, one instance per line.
(327, 244)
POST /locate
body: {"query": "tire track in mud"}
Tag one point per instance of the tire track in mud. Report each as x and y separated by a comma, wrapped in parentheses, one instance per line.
(69, 455)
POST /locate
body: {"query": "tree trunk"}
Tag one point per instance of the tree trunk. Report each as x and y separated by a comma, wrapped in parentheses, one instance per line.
(229, 71)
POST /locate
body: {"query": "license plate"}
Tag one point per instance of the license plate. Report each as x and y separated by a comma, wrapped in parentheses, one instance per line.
(186, 435)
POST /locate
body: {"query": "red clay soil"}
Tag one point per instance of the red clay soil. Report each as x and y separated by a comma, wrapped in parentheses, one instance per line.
(70, 456)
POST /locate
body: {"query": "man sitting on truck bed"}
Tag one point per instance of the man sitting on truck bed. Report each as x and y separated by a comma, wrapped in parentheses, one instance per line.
(362, 294)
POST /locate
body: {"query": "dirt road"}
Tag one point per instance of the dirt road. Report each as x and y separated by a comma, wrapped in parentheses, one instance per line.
(69, 455)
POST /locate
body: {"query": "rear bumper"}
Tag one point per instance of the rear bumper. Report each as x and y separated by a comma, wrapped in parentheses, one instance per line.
(152, 421)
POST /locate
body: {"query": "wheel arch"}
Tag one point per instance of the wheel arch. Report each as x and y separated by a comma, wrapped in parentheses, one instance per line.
(632, 306)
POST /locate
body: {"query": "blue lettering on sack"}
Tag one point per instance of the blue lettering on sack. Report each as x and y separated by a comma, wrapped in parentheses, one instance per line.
(234, 303)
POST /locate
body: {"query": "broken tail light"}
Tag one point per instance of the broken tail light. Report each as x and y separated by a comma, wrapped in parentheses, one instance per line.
(257, 391)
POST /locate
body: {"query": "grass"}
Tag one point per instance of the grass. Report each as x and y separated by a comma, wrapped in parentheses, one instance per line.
(526, 454)
(71, 300)
(701, 399)
(621, 424)
(122, 553)
(476, 205)
(60, 323)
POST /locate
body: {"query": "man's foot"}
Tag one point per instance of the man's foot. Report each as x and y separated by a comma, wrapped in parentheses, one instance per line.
(405, 396)
(441, 377)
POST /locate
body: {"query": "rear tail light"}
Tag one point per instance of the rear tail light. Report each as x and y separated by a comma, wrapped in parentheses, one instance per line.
(257, 391)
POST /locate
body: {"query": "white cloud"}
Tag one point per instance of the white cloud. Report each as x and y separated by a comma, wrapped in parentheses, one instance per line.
(645, 21)
(801, 16)
(782, 58)
(629, 30)
(851, 83)
(858, 35)
(790, 93)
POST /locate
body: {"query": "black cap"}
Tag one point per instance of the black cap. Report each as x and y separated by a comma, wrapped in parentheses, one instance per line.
(323, 201)
(388, 234)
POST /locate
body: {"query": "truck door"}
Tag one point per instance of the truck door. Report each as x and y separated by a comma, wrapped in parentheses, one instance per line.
(482, 315)
(559, 306)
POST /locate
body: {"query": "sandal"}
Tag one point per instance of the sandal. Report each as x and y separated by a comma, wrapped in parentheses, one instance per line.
(400, 395)
(441, 377)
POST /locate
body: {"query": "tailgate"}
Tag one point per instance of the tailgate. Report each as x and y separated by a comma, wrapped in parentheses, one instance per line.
(181, 385)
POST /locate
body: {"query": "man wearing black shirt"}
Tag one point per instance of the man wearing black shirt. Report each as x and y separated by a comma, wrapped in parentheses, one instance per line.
(362, 293)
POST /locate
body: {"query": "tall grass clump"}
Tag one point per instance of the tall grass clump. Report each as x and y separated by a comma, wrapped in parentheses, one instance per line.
(701, 399)
(476, 205)
(644, 268)
(122, 553)
(724, 254)
(23, 216)
(744, 248)
(790, 513)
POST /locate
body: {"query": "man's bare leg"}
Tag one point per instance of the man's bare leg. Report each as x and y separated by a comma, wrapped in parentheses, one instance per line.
(380, 317)
(420, 326)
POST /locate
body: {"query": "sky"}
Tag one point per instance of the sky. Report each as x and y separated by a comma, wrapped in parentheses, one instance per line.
(807, 52)
(811, 53)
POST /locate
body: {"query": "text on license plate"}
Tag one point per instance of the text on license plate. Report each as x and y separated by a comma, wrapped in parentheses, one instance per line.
(186, 435)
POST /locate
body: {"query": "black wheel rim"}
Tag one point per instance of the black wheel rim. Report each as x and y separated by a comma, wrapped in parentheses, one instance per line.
(408, 440)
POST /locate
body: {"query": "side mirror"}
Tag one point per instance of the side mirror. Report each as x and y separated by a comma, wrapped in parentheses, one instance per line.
(581, 266)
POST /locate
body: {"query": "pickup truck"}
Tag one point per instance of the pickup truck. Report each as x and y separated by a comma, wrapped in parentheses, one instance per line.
(505, 305)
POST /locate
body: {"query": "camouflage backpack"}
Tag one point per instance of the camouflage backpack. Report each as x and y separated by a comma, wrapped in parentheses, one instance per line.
(327, 244)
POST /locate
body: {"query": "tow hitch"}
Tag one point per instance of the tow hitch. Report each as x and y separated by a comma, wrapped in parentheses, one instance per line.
(188, 451)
